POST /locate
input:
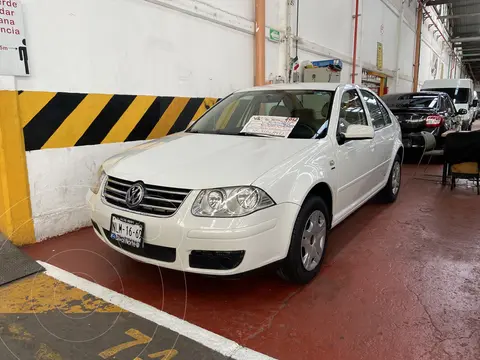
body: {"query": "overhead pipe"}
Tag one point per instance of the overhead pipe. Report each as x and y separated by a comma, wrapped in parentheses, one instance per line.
(399, 43)
(466, 39)
(296, 32)
(418, 43)
(453, 66)
(355, 36)
(469, 49)
(259, 42)
(458, 16)
(421, 5)
(284, 57)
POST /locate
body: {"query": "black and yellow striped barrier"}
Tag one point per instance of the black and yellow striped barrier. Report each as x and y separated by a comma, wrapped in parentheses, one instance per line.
(58, 119)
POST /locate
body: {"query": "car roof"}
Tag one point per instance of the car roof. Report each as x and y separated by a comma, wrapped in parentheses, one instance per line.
(415, 93)
(447, 83)
(298, 86)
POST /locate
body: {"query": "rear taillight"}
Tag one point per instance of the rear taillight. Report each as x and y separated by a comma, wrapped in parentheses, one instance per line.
(434, 120)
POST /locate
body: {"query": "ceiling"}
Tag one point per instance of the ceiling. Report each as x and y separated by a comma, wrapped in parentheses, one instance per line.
(463, 22)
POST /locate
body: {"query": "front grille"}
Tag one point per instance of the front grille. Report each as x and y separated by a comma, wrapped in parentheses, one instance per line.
(158, 200)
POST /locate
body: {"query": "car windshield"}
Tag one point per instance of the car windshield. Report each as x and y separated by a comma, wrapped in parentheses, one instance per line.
(310, 107)
(458, 95)
(416, 101)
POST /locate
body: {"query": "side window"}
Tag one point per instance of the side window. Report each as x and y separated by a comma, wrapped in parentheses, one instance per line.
(351, 111)
(386, 116)
(450, 106)
(443, 106)
(375, 110)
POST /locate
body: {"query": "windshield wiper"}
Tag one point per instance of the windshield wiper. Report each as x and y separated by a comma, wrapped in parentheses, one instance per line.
(216, 132)
(256, 135)
(219, 132)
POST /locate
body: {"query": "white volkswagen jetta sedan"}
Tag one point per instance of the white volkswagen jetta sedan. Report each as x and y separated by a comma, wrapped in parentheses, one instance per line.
(260, 178)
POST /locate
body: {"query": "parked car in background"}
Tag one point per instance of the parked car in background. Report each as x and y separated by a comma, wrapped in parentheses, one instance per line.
(429, 111)
(260, 178)
(461, 91)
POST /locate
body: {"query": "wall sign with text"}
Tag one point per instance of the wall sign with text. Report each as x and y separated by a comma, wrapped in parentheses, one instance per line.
(379, 56)
(13, 43)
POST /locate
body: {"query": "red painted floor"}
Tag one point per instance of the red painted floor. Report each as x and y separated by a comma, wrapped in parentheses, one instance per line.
(400, 281)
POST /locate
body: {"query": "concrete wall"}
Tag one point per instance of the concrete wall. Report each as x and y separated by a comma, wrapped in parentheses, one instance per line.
(182, 49)
(130, 47)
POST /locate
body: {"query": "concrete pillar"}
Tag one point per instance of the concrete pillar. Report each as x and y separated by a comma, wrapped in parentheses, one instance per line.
(15, 207)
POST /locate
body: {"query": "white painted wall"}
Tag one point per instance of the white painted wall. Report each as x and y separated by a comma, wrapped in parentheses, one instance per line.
(182, 48)
(59, 180)
(126, 47)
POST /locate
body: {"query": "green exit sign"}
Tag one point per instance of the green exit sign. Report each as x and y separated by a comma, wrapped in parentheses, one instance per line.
(274, 35)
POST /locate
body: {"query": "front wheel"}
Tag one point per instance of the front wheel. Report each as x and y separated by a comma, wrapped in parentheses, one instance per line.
(308, 243)
(390, 192)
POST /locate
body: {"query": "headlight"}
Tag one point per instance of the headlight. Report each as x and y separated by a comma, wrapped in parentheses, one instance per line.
(98, 181)
(230, 202)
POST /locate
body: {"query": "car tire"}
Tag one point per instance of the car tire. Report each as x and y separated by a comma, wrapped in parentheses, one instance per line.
(310, 233)
(390, 192)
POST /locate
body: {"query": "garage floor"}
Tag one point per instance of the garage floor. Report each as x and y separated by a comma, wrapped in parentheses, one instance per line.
(400, 281)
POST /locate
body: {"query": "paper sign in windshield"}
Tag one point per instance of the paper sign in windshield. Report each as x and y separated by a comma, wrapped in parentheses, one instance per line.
(278, 126)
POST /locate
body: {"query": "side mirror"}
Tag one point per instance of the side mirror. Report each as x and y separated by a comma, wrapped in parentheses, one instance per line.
(462, 112)
(359, 132)
(475, 103)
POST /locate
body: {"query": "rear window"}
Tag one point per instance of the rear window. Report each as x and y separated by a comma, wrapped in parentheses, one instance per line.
(458, 95)
(417, 101)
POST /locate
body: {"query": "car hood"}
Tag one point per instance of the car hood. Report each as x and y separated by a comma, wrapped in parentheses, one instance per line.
(198, 161)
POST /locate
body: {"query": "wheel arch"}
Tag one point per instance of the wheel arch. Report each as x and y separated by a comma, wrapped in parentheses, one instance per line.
(401, 153)
(323, 190)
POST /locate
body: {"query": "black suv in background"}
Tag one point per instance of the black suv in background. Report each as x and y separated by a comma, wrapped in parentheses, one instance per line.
(429, 111)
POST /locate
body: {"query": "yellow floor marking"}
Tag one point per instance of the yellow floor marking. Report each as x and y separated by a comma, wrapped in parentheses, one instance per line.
(78, 121)
(168, 118)
(130, 118)
(140, 339)
(41, 293)
(19, 333)
(45, 353)
(165, 354)
(31, 102)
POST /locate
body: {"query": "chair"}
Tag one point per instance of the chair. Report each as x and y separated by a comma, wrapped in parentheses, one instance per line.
(429, 145)
(462, 153)
(306, 123)
(465, 170)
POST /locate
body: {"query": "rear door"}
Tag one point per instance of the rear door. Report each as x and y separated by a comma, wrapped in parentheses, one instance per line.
(384, 135)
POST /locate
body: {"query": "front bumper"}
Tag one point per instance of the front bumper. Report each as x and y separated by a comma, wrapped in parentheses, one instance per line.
(215, 246)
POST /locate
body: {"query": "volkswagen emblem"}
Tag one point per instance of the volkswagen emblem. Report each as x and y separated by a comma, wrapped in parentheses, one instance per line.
(135, 195)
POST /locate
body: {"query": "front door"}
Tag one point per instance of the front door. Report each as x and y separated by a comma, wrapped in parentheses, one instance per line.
(355, 159)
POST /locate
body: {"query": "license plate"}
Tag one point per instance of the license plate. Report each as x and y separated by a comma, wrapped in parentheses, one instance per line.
(127, 231)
